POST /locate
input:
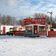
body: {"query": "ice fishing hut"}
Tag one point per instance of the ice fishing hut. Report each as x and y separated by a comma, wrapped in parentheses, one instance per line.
(35, 26)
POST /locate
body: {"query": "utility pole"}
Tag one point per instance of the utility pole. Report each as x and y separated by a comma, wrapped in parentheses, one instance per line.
(50, 18)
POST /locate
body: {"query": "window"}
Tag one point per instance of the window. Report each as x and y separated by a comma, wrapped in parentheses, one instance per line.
(42, 28)
(29, 28)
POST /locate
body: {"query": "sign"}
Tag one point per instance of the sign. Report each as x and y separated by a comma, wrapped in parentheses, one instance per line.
(28, 21)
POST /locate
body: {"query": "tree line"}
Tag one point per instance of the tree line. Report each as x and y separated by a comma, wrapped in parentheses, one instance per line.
(8, 20)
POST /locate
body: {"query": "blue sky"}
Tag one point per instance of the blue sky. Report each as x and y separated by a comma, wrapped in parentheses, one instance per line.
(26, 8)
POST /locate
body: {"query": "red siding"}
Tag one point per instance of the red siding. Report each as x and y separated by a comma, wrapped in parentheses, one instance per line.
(42, 33)
(18, 33)
(51, 33)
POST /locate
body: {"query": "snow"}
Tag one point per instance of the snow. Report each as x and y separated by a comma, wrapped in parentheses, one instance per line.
(21, 46)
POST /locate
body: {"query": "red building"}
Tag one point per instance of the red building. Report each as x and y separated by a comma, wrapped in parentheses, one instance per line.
(36, 25)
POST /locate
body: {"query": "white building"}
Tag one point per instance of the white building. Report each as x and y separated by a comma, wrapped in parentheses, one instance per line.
(7, 28)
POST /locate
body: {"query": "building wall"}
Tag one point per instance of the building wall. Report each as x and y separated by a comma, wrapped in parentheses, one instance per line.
(7, 27)
(20, 28)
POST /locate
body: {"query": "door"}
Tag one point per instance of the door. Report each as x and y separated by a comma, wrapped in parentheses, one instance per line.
(35, 29)
(4, 30)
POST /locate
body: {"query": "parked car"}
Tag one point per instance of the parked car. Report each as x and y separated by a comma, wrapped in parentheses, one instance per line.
(30, 34)
(10, 33)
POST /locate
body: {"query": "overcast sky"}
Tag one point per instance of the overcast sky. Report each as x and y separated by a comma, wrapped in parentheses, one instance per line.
(25, 8)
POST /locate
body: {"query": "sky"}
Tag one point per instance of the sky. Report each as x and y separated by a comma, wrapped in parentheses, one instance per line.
(27, 8)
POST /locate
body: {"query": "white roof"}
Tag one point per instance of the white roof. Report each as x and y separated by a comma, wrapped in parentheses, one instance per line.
(35, 24)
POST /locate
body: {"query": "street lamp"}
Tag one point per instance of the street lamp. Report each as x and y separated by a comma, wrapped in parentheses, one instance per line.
(50, 17)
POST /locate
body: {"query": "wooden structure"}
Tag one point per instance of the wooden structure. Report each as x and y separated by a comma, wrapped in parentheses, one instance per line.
(36, 25)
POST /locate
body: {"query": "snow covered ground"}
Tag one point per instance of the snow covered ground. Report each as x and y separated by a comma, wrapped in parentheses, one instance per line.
(21, 46)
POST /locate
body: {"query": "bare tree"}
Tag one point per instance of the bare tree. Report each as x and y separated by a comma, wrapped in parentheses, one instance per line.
(7, 20)
(3, 20)
(39, 15)
(13, 21)
(20, 22)
(10, 20)
(0, 19)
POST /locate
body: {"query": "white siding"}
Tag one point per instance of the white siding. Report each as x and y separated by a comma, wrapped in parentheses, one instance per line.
(7, 27)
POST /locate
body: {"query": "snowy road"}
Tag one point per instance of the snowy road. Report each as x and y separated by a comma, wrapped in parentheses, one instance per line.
(21, 46)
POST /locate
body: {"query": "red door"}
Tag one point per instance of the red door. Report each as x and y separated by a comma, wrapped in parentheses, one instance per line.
(4, 30)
